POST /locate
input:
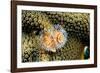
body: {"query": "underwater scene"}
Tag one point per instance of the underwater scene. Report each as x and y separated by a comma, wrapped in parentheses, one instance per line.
(55, 36)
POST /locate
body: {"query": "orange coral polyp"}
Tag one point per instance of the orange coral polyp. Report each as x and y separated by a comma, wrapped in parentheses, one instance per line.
(59, 37)
(52, 40)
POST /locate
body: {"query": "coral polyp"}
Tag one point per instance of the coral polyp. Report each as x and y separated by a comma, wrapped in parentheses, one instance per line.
(53, 39)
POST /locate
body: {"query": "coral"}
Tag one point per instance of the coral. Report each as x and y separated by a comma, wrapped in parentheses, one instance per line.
(53, 39)
(35, 23)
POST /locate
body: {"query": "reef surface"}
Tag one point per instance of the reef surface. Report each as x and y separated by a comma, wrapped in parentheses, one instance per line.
(54, 36)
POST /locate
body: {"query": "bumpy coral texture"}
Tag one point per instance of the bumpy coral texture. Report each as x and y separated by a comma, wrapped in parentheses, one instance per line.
(54, 36)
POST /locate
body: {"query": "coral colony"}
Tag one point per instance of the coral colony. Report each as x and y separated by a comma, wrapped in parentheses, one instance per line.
(55, 36)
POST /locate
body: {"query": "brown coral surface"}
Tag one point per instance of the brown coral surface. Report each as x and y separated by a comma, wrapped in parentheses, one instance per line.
(35, 23)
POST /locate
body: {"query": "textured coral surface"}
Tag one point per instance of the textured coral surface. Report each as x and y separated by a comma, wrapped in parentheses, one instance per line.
(63, 35)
